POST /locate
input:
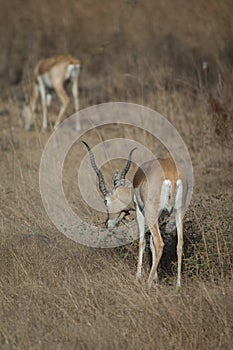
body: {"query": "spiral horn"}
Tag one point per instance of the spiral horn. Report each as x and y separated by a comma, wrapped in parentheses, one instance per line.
(96, 169)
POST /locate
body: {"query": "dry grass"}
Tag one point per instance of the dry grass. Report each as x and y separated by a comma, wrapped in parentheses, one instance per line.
(57, 294)
(70, 297)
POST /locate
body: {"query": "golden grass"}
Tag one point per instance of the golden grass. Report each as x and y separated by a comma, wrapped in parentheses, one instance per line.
(58, 294)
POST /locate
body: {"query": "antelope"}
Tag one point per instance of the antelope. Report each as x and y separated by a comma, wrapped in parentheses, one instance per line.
(157, 186)
(51, 74)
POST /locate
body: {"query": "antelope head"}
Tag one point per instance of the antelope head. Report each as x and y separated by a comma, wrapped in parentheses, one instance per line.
(119, 197)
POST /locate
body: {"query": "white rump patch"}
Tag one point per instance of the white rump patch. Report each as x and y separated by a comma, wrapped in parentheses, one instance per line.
(165, 196)
(69, 71)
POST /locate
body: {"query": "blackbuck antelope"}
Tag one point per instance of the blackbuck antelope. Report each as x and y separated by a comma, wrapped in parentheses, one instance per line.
(51, 74)
(157, 186)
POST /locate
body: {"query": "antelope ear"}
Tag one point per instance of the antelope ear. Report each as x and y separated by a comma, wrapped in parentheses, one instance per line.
(125, 183)
(115, 179)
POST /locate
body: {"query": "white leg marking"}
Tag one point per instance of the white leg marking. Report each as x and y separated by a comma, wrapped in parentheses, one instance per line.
(48, 99)
(75, 93)
(76, 97)
(142, 242)
(179, 226)
(152, 248)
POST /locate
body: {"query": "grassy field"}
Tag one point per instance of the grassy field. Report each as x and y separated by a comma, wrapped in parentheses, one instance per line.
(57, 294)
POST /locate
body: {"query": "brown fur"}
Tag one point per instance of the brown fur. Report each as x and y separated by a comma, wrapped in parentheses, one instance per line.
(164, 168)
(152, 196)
(46, 64)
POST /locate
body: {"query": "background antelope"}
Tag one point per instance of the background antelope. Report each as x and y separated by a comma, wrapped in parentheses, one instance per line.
(157, 186)
(51, 73)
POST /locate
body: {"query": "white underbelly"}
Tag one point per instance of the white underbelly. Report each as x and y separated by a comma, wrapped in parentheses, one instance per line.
(47, 80)
(72, 71)
(166, 196)
(69, 71)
